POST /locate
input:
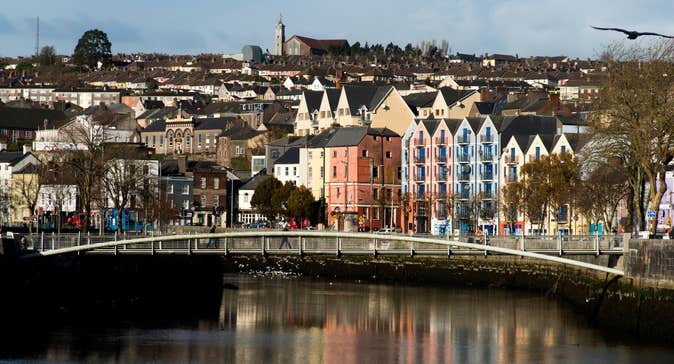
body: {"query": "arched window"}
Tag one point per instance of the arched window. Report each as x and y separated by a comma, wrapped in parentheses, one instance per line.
(170, 140)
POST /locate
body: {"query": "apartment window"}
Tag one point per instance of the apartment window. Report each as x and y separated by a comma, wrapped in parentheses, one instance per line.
(186, 189)
(208, 139)
(388, 154)
(169, 190)
(186, 204)
(199, 140)
(322, 172)
(216, 183)
(538, 153)
(161, 140)
(147, 140)
(334, 171)
(239, 150)
(216, 201)
(203, 201)
(364, 153)
(245, 198)
(154, 140)
(294, 171)
(375, 172)
(287, 169)
(334, 154)
(203, 182)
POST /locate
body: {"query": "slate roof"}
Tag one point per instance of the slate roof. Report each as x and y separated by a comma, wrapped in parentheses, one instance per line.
(431, 125)
(527, 125)
(291, 156)
(240, 133)
(213, 123)
(420, 99)
(451, 96)
(157, 125)
(368, 96)
(347, 136)
(333, 97)
(476, 123)
(321, 140)
(485, 107)
(313, 99)
(253, 182)
(30, 119)
(453, 124)
(321, 44)
(10, 157)
(289, 141)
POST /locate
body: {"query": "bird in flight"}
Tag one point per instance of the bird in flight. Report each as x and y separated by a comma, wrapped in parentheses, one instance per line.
(631, 34)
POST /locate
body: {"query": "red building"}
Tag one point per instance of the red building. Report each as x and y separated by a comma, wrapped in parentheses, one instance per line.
(363, 177)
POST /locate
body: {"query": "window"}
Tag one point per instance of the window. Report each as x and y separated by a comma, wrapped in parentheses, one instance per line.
(322, 172)
(245, 197)
(334, 171)
(334, 154)
(563, 149)
(154, 140)
(186, 189)
(364, 153)
(199, 140)
(203, 182)
(278, 170)
(169, 189)
(388, 154)
(208, 139)
(294, 171)
(239, 150)
(287, 171)
(161, 140)
(216, 201)
(538, 153)
(146, 140)
(216, 183)
(375, 193)
(375, 172)
(186, 204)
(274, 153)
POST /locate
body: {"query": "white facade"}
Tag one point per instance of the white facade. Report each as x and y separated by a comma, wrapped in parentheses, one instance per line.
(288, 172)
(51, 196)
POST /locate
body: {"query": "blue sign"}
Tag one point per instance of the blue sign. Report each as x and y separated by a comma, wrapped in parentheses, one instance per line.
(651, 214)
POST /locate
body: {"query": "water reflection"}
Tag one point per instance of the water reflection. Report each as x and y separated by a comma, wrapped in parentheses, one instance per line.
(304, 321)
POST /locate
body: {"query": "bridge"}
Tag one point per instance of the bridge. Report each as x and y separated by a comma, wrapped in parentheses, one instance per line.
(269, 242)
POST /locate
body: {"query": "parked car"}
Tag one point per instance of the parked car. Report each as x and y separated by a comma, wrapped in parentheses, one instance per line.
(260, 224)
(385, 231)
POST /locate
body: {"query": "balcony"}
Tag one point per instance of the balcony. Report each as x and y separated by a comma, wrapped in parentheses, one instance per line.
(486, 156)
(419, 177)
(442, 195)
(440, 141)
(419, 141)
(463, 158)
(463, 196)
(463, 177)
(509, 159)
(486, 139)
(420, 196)
(487, 195)
(441, 159)
(419, 159)
(442, 177)
(487, 176)
(464, 139)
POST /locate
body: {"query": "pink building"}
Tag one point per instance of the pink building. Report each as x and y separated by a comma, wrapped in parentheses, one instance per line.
(430, 173)
(363, 177)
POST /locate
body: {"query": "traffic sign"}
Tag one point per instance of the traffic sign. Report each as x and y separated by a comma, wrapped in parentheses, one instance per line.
(651, 214)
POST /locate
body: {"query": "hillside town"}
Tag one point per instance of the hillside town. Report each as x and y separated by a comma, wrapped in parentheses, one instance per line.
(366, 138)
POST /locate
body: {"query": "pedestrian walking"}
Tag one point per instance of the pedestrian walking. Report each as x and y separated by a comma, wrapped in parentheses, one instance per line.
(284, 240)
(211, 241)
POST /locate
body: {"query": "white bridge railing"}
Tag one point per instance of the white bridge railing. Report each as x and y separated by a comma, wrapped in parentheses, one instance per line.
(319, 243)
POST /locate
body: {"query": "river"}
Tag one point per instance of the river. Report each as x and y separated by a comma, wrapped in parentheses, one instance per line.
(299, 320)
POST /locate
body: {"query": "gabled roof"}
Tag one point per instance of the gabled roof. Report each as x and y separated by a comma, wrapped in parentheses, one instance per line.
(431, 125)
(476, 123)
(527, 125)
(320, 44)
(451, 96)
(347, 136)
(368, 96)
(420, 99)
(485, 107)
(291, 156)
(333, 97)
(313, 99)
(453, 125)
(157, 125)
(289, 141)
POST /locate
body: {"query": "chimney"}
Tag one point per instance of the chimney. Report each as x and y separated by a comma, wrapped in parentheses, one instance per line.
(182, 163)
(26, 149)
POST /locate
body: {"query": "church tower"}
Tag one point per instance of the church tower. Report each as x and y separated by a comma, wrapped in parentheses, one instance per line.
(280, 38)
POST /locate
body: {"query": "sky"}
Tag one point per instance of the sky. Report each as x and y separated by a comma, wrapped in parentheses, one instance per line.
(522, 27)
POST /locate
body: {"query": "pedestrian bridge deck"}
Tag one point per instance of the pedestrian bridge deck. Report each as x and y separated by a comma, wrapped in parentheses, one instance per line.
(560, 249)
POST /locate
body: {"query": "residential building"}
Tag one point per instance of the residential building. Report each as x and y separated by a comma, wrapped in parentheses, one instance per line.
(177, 188)
(246, 213)
(210, 193)
(88, 97)
(287, 167)
(237, 145)
(363, 178)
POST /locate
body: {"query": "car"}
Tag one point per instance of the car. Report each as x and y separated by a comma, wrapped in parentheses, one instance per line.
(309, 228)
(258, 224)
(385, 231)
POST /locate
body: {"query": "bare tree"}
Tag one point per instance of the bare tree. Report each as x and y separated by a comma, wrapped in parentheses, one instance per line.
(634, 114)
